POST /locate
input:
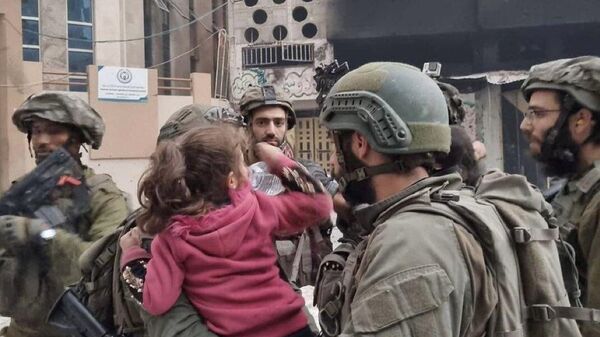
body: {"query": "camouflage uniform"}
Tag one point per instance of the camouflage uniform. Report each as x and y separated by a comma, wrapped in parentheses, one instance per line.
(577, 204)
(25, 295)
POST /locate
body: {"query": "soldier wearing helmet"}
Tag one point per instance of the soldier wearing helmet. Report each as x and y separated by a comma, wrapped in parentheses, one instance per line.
(197, 115)
(409, 277)
(562, 125)
(28, 290)
(269, 117)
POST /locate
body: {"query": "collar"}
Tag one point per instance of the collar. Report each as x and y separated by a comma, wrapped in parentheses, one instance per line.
(367, 215)
(589, 179)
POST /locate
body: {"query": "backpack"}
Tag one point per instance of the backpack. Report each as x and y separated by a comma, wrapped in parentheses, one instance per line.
(101, 287)
(517, 233)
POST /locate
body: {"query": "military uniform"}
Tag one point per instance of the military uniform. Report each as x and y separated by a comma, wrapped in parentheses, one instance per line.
(419, 274)
(577, 207)
(33, 277)
(576, 82)
(416, 273)
(297, 256)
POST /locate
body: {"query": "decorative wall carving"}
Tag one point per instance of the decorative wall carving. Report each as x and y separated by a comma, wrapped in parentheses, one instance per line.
(292, 84)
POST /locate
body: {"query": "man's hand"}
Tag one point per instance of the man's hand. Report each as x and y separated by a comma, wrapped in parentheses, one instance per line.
(17, 230)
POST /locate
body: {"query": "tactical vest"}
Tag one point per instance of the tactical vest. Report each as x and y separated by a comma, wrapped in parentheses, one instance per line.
(517, 233)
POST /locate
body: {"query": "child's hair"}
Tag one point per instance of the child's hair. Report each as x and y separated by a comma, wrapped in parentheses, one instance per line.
(188, 175)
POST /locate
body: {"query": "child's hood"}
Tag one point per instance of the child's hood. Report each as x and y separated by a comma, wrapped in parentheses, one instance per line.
(220, 232)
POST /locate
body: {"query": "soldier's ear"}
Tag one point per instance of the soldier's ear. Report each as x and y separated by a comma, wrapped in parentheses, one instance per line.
(360, 145)
(583, 125)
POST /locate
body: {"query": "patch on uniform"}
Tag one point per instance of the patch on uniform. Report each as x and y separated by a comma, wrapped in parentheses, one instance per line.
(402, 296)
(588, 181)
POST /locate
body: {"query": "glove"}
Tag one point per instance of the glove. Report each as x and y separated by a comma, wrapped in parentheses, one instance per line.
(17, 230)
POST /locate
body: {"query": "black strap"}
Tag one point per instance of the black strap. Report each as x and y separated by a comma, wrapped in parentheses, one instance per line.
(365, 172)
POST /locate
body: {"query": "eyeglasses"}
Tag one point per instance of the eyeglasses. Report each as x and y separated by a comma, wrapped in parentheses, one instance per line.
(532, 114)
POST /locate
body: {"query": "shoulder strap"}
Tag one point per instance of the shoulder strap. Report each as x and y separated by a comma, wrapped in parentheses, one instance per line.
(545, 313)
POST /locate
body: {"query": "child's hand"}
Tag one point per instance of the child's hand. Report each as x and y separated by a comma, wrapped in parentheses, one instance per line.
(133, 238)
(267, 153)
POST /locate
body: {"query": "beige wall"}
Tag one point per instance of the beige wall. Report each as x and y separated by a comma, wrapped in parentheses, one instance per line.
(53, 52)
(126, 172)
(112, 20)
(18, 79)
(119, 20)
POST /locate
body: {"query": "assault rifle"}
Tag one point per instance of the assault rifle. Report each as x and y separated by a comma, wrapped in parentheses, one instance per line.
(72, 317)
(58, 176)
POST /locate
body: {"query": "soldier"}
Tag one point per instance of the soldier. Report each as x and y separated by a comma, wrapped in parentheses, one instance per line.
(268, 118)
(410, 277)
(32, 279)
(562, 125)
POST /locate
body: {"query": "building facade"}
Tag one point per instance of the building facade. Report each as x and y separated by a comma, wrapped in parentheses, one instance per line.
(280, 42)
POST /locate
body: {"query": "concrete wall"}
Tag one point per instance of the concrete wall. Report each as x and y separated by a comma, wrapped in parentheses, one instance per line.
(126, 172)
(18, 80)
(119, 20)
(53, 52)
(489, 124)
(293, 82)
(112, 20)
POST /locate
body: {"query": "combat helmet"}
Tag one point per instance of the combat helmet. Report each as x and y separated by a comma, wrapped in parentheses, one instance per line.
(196, 115)
(579, 77)
(64, 108)
(395, 106)
(265, 95)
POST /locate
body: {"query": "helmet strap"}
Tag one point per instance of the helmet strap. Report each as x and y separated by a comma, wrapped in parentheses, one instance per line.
(365, 172)
(549, 147)
(360, 173)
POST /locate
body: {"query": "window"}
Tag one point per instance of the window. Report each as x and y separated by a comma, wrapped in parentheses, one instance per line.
(80, 45)
(280, 32)
(259, 16)
(251, 35)
(309, 30)
(300, 13)
(280, 54)
(31, 28)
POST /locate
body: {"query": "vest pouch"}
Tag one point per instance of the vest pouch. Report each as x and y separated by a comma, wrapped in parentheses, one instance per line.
(329, 292)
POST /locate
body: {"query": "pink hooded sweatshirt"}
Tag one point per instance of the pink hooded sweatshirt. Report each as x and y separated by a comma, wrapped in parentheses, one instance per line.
(225, 262)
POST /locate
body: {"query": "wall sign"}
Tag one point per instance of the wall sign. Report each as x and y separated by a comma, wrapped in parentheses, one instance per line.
(122, 84)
